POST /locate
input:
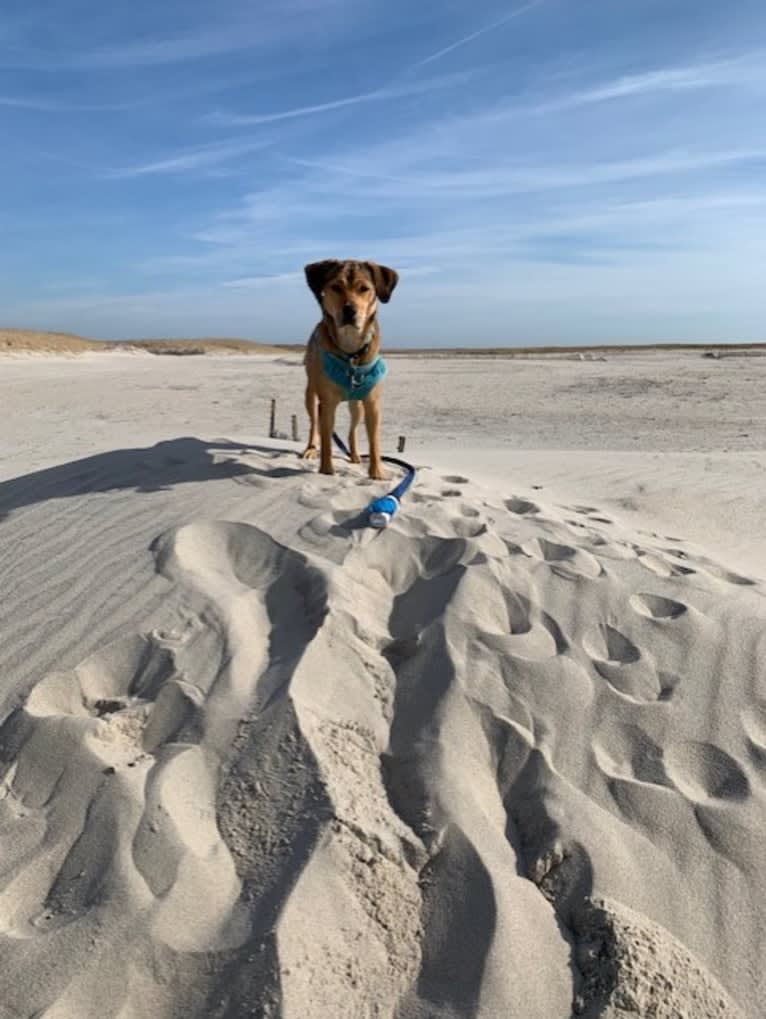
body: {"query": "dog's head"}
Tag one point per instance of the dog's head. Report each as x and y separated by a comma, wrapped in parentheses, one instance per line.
(348, 294)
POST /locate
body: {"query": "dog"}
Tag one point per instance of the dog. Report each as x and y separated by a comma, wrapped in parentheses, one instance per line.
(343, 359)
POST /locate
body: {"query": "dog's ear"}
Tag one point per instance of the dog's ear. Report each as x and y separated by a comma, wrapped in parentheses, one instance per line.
(385, 280)
(318, 273)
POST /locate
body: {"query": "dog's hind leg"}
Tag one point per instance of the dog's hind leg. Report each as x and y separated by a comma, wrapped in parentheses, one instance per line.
(327, 408)
(312, 406)
(355, 410)
(372, 409)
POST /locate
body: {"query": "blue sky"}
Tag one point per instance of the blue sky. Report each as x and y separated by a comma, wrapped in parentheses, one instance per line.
(559, 171)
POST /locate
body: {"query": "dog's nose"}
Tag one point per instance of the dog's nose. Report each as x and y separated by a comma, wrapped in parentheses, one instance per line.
(348, 313)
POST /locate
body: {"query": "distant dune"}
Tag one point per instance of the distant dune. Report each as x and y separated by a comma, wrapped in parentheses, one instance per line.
(13, 340)
(29, 340)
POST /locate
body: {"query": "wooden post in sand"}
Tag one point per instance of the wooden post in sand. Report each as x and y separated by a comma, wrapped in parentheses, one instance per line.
(402, 441)
(295, 427)
(273, 419)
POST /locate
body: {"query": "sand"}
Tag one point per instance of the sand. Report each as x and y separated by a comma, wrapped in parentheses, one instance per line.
(505, 758)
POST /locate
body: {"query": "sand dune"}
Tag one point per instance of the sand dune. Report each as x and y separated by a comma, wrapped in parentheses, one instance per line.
(505, 758)
(31, 341)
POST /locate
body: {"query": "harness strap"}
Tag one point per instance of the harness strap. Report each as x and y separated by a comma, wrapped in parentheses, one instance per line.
(356, 381)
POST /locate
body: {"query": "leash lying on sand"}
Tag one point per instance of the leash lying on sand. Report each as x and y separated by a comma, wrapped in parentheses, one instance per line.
(380, 511)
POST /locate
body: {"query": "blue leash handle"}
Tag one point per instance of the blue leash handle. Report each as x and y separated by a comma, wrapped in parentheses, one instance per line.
(380, 511)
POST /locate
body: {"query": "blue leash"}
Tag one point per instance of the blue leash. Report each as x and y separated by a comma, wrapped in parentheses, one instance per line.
(380, 511)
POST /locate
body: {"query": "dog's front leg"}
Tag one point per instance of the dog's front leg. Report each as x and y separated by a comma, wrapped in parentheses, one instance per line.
(312, 406)
(355, 410)
(327, 408)
(372, 418)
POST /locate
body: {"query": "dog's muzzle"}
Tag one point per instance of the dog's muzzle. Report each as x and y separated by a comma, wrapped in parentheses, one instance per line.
(348, 315)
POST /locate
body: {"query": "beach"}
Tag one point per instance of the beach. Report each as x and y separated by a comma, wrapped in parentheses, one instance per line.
(506, 757)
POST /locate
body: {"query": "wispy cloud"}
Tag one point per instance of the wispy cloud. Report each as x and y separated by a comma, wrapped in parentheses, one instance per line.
(385, 94)
(743, 70)
(256, 282)
(477, 34)
(167, 51)
(503, 177)
(156, 52)
(235, 31)
(43, 105)
(463, 136)
(604, 231)
(201, 158)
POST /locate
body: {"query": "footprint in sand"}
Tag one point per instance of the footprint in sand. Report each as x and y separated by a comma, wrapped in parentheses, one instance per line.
(532, 634)
(565, 560)
(318, 528)
(450, 493)
(668, 682)
(87, 746)
(620, 662)
(660, 566)
(628, 753)
(653, 606)
(677, 553)
(728, 576)
(468, 528)
(312, 497)
(522, 507)
(606, 549)
(608, 646)
(703, 772)
(455, 479)
(713, 568)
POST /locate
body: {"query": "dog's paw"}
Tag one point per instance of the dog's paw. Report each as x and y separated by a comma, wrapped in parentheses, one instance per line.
(327, 470)
(378, 474)
(355, 458)
(310, 453)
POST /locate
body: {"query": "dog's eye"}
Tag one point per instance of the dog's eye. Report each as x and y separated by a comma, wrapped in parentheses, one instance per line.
(364, 290)
(336, 289)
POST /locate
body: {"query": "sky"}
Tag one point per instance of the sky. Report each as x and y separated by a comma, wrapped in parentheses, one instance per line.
(552, 171)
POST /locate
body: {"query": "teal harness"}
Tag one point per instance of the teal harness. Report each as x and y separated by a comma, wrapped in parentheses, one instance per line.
(356, 381)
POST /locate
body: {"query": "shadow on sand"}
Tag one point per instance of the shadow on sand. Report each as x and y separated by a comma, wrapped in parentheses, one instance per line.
(150, 469)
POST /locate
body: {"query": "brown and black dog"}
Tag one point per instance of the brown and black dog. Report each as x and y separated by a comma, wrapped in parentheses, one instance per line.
(345, 342)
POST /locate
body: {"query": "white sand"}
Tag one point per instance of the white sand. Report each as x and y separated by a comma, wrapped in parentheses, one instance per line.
(506, 758)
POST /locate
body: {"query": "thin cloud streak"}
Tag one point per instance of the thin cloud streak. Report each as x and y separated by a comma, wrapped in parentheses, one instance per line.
(155, 97)
(477, 34)
(144, 54)
(274, 27)
(193, 159)
(385, 94)
(254, 282)
(500, 179)
(675, 79)
(53, 106)
(614, 230)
